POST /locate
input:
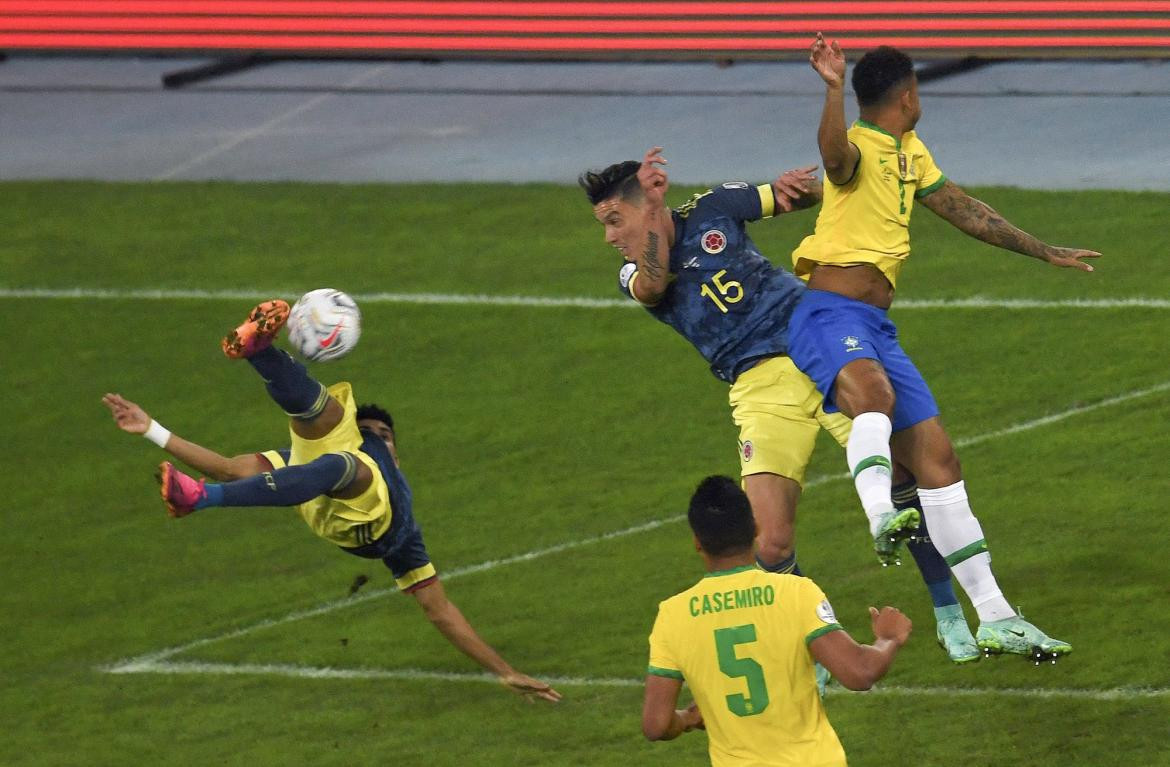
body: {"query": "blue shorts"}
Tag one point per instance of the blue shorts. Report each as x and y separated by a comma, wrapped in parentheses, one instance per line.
(828, 331)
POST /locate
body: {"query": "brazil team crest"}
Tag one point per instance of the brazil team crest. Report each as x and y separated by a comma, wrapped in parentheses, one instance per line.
(714, 241)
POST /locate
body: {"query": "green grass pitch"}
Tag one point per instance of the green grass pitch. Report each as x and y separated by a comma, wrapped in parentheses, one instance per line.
(523, 429)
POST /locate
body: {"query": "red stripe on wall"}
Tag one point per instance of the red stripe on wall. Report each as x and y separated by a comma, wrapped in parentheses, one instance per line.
(559, 26)
(587, 9)
(533, 44)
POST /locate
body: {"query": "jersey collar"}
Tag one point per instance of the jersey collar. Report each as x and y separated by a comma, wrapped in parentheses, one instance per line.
(883, 131)
(740, 569)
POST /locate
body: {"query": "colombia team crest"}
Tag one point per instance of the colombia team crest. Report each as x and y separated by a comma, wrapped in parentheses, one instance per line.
(714, 241)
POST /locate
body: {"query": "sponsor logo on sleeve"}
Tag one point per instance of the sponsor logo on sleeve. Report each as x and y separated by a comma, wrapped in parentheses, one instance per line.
(825, 612)
(626, 273)
(713, 241)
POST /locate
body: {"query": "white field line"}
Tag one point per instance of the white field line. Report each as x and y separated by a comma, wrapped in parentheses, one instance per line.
(149, 662)
(411, 674)
(472, 299)
(144, 662)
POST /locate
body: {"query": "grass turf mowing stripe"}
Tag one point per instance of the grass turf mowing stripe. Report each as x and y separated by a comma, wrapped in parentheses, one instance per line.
(150, 660)
(474, 299)
(411, 674)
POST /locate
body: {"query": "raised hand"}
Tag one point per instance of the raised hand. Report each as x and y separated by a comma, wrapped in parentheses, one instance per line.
(652, 177)
(828, 61)
(129, 416)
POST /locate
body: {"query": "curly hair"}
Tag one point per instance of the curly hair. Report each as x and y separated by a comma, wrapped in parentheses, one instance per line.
(375, 413)
(879, 73)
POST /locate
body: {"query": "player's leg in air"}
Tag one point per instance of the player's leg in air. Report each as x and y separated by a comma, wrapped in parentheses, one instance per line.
(313, 413)
(951, 629)
(926, 450)
(853, 354)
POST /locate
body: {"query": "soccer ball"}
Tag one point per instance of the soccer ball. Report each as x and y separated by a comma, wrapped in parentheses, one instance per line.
(324, 324)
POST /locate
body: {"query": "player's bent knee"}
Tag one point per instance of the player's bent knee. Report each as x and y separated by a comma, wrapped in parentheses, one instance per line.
(772, 551)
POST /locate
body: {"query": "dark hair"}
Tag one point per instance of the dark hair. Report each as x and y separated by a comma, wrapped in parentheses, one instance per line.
(721, 517)
(620, 179)
(375, 413)
(878, 73)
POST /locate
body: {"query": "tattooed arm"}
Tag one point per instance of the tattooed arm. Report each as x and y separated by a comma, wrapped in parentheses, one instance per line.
(651, 252)
(979, 220)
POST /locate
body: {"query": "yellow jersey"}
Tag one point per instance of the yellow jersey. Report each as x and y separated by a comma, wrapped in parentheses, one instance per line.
(866, 220)
(739, 638)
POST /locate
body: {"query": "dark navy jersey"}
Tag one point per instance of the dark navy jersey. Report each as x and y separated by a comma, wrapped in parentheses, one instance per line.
(401, 547)
(729, 301)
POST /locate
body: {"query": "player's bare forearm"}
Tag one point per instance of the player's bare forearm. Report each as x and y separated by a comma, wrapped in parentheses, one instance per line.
(212, 464)
(131, 418)
(650, 251)
(451, 623)
(653, 259)
(981, 221)
(838, 156)
(858, 666)
(873, 662)
(660, 719)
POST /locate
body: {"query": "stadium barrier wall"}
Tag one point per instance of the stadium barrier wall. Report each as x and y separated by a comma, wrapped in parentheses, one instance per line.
(587, 30)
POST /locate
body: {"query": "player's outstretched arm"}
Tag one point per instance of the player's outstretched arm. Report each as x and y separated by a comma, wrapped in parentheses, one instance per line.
(857, 666)
(978, 219)
(838, 155)
(133, 419)
(651, 251)
(450, 622)
(660, 719)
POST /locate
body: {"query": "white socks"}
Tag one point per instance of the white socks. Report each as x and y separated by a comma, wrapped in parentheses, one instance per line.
(868, 455)
(956, 534)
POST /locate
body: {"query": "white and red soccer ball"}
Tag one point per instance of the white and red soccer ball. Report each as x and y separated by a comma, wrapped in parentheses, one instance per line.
(324, 324)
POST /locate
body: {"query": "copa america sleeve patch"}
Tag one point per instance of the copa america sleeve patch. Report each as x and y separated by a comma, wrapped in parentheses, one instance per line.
(626, 273)
(825, 612)
(736, 185)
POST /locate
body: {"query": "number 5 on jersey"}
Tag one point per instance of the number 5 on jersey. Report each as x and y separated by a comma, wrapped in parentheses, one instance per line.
(753, 673)
(730, 292)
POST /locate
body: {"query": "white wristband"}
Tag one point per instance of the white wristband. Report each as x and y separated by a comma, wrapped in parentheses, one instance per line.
(157, 433)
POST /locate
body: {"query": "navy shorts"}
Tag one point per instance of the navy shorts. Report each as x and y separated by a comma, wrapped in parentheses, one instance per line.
(401, 549)
(828, 331)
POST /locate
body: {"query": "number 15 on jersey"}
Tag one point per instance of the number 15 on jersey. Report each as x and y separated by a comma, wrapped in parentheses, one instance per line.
(724, 292)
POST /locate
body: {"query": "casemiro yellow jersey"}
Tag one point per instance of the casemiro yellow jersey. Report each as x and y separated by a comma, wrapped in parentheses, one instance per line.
(866, 220)
(740, 640)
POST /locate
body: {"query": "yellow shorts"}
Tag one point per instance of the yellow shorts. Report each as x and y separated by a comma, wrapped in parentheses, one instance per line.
(348, 522)
(778, 412)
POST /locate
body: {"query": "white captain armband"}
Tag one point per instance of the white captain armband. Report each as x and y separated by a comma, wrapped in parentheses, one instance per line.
(626, 274)
(157, 433)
